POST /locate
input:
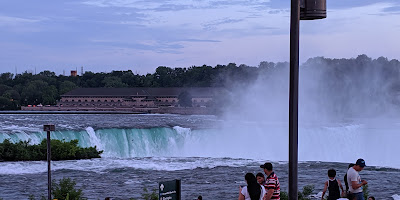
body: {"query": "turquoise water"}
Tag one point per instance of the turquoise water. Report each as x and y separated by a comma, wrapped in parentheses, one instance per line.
(119, 143)
(207, 153)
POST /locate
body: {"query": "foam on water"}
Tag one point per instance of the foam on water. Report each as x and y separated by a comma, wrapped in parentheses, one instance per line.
(11, 128)
(396, 197)
(94, 140)
(104, 164)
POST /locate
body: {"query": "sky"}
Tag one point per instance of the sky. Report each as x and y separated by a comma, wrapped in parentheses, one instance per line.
(140, 35)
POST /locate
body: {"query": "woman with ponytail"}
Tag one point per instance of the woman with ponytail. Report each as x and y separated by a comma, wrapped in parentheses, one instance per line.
(253, 190)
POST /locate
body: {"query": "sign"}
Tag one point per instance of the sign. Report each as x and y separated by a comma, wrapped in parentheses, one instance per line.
(170, 190)
(49, 127)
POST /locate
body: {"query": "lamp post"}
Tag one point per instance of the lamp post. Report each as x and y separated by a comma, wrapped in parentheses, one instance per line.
(48, 128)
(300, 10)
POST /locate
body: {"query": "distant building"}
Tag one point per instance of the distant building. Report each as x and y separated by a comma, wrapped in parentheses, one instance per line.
(74, 73)
(134, 97)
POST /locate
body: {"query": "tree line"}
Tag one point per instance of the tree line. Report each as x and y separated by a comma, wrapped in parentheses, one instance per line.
(46, 87)
(60, 150)
(362, 75)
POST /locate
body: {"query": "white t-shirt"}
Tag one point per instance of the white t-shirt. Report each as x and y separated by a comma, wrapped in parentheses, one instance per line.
(246, 193)
(352, 175)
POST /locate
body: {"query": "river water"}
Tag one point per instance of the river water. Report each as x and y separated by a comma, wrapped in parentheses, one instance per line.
(210, 155)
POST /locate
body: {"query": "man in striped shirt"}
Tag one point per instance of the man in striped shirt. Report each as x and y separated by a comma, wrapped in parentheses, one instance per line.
(272, 185)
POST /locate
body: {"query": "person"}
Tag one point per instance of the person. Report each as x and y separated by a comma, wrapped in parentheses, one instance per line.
(200, 198)
(371, 198)
(260, 179)
(345, 179)
(332, 184)
(354, 180)
(253, 190)
(272, 185)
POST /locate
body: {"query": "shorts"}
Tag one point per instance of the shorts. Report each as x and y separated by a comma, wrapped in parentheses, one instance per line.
(356, 196)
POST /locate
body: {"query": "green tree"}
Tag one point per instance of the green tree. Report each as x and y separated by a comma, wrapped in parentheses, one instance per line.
(65, 190)
(6, 78)
(148, 80)
(130, 79)
(60, 150)
(365, 191)
(113, 82)
(165, 77)
(149, 195)
(33, 92)
(6, 103)
(304, 195)
(47, 73)
(4, 88)
(66, 86)
(50, 95)
(12, 94)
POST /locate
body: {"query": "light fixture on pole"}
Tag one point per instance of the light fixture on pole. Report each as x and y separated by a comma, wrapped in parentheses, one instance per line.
(312, 9)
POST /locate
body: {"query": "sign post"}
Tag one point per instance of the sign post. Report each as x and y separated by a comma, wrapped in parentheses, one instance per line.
(48, 128)
(170, 190)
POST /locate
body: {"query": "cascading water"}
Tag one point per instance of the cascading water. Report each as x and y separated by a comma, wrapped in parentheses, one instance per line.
(334, 143)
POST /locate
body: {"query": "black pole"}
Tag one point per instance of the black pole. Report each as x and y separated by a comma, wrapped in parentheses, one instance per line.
(294, 99)
(48, 167)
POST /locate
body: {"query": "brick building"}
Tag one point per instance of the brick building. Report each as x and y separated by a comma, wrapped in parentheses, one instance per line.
(134, 97)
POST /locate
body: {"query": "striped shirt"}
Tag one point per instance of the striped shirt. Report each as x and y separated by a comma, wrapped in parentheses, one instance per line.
(272, 182)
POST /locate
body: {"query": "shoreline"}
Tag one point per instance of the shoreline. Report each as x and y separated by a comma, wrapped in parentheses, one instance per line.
(71, 112)
(115, 110)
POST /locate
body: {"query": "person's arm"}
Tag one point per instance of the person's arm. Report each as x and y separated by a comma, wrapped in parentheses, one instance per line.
(241, 196)
(341, 187)
(357, 185)
(269, 194)
(325, 188)
(263, 192)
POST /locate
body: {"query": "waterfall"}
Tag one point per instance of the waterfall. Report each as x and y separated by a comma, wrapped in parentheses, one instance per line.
(338, 143)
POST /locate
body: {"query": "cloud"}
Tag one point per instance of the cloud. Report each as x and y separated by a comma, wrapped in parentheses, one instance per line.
(393, 10)
(196, 16)
(168, 5)
(7, 20)
(213, 24)
(156, 46)
(345, 4)
(200, 40)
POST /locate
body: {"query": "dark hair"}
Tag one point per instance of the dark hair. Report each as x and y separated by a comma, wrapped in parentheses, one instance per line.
(253, 187)
(373, 198)
(200, 198)
(260, 175)
(332, 173)
(351, 165)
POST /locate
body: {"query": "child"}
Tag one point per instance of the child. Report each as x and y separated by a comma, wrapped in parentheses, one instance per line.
(260, 179)
(333, 186)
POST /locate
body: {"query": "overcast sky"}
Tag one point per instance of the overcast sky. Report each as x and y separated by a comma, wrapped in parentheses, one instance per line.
(140, 35)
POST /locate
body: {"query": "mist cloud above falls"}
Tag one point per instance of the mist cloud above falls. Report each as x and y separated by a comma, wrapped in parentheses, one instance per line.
(329, 90)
